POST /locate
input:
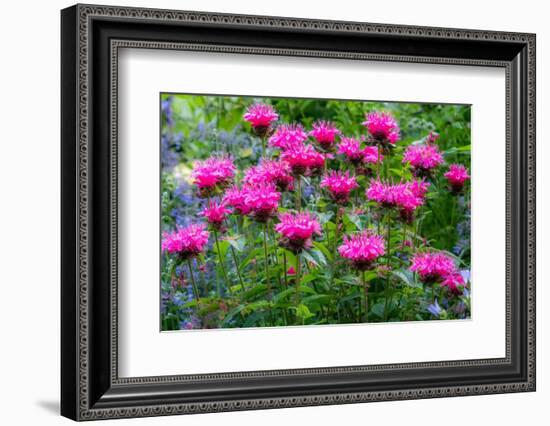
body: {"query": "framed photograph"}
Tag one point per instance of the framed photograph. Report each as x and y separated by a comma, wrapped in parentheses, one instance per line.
(263, 212)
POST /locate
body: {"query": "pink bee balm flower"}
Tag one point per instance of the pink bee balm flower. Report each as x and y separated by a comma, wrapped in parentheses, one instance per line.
(422, 158)
(362, 249)
(303, 159)
(317, 163)
(276, 172)
(185, 242)
(454, 283)
(382, 192)
(297, 230)
(419, 187)
(215, 172)
(325, 134)
(291, 271)
(279, 173)
(288, 136)
(372, 155)
(235, 198)
(262, 201)
(382, 127)
(457, 176)
(339, 185)
(351, 148)
(432, 267)
(215, 214)
(260, 117)
(409, 196)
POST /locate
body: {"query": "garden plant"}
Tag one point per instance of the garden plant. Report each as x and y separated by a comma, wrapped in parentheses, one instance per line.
(285, 212)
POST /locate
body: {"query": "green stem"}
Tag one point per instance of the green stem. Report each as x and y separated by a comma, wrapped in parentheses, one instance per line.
(263, 146)
(453, 208)
(234, 255)
(267, 282)
(335, 247)
(203, 278)
(193, 283)
(415, 234)
(276, 259)
(298, 193)
(285, 265)
(388, 256)
(366, 290)
(403, 242)
(285, 268)
(222, 266)
(336, 234)
(298, 271)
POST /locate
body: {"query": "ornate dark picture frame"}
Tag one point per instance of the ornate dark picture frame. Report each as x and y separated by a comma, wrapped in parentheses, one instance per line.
(91, 37)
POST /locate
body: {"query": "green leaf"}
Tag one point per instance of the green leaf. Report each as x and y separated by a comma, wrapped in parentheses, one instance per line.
(309, 258)
(282, 295)
(321, 299)
(255, 291)
(253, 319)
(308, 278)
(254, 306)
(378, 309)
(352, 222)
(232, 313)
(224, 246)
(406, 277)
(303, 312)
(319, 256)
(323, 248)
(252, 255)
(237, 243)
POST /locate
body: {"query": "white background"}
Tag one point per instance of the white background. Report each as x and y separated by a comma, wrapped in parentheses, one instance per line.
(29, 225)
(141, 345)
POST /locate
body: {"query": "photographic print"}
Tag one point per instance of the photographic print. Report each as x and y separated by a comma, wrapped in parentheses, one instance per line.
(280, 212)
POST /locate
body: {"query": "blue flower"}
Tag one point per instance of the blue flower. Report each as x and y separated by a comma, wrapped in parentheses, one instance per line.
(166, 108)
(465, 275)
(434, 309)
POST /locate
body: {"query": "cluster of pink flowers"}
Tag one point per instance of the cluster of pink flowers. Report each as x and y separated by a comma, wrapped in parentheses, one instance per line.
(454, 283)
(185, 242)
(234, 197)
(260, 193)
(362, 249)
(457, 176)
(372, 155)
(325, 134)
(259, 201)
(432, 267)
(288, 136)
(213, 173)
(423, 158)
(351, 149)
(303, 160)
(215, 214)
(339, 185)
(407, 196)
(269, 171)
(262, 200)
(384, 193)
(382, 127)
(297, 230)
(260, 117)
(410, 196)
